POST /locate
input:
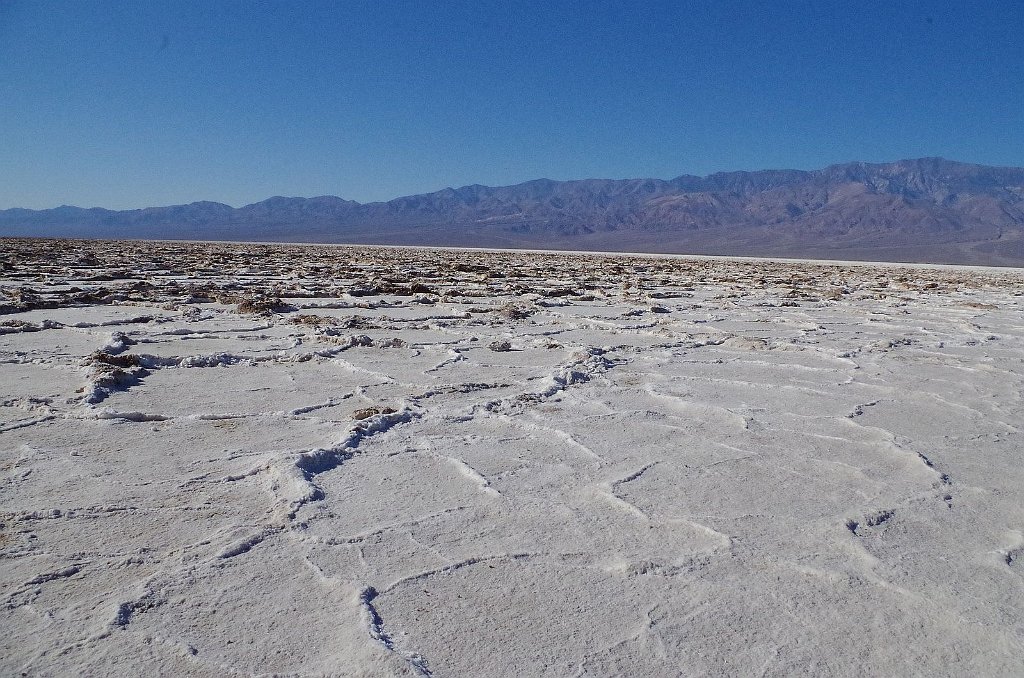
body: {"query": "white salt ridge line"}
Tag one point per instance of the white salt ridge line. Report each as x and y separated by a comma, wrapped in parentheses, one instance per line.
(890, 440)
(460, 332)
(245, 330)
(452, 567)
(633, 476)
(184, 332)
(460, 340)
(422, 319)
(313, 305)
(784, 365)
(25, 423)
(28, 360)
(332, 402)
(578, 323)
(953, 362)
(94, 393)
(651, 568)
(88, 512)
(225, 358)
(138, 417)
(254, 471)
(209, 416)
(606, 493)
(374, 626)
(33, 585)
(362, 536)
(380, 376)
(454, 356)
(557, 432)
(151, 596)
(608, 490)
(32, 327)
(976, 414)
(587, 364)
(762, 385)
(142, 319)
(293, 476)
(690, 406)
(63, 573)
(465, 387)
(862, 472)
(245, 545)
(482, 483)
(854, 544)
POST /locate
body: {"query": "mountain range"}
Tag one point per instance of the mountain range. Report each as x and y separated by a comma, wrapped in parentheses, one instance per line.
(923, 210)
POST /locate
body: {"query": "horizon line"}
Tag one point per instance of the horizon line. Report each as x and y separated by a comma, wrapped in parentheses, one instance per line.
(511, 185)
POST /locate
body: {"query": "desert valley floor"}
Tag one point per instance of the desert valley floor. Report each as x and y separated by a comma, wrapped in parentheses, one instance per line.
(226, 459)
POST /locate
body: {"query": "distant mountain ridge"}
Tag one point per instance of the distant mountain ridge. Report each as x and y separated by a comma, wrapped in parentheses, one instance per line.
(928, 209)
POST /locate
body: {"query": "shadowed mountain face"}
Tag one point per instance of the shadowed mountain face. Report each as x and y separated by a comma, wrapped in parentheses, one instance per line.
(913, 210)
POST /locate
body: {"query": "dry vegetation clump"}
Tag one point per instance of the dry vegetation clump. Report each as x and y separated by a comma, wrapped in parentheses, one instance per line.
(420, 288)
(363, 290)
(110, 275)
(513, 311)
(313, 320)
(22, 299)
(109, 372)
(200, 294)
(367, 412)
(123, 360)
(98, 296)
(114, 377)
(358, 322)
(559, 292)
(392, 288)
(263, 305)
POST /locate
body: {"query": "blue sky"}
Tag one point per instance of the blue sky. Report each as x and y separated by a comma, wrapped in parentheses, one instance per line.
(150, 103)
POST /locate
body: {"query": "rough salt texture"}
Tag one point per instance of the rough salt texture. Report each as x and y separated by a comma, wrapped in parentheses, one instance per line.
(246, 459)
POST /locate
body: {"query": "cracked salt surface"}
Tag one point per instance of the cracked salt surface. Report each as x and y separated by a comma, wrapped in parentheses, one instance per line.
(311, 461)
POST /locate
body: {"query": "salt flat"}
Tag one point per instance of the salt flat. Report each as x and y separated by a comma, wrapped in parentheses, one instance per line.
(252, 459)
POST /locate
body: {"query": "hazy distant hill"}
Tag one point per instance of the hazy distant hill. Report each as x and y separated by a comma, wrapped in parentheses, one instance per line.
(913, 210)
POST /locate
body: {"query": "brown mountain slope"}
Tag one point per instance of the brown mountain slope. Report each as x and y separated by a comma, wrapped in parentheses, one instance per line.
(913, 210)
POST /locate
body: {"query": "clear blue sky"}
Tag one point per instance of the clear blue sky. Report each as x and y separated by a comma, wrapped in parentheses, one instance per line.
(151, 103)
